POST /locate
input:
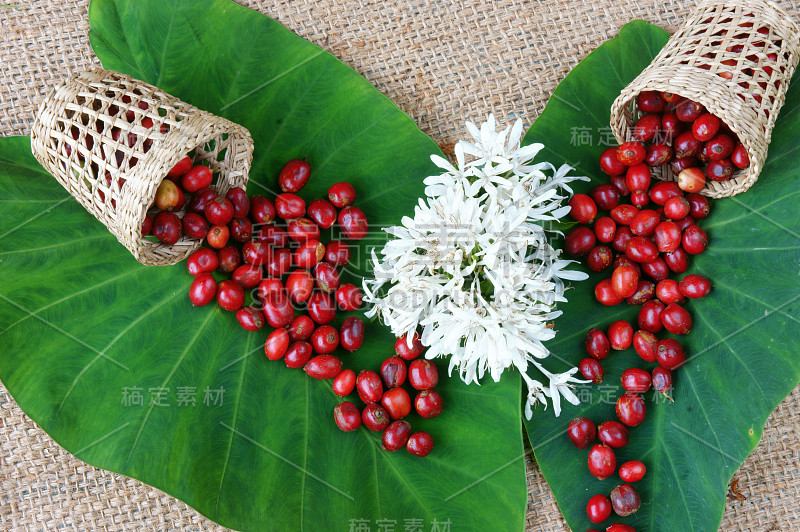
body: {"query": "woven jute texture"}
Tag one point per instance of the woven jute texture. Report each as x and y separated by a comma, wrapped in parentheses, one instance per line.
(110, 140)
(442, 63)
(735, 57)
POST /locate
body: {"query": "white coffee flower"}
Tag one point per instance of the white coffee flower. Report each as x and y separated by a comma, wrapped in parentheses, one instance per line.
(474, 269)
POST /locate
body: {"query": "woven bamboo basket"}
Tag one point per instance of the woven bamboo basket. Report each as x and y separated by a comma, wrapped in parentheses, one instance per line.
(735, 57)
(110, 140)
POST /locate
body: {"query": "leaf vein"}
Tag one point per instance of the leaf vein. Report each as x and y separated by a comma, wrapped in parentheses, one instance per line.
(166, 381)
(106, 348)
(233, 423)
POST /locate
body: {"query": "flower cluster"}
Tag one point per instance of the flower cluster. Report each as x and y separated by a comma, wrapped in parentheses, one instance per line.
(474, 268)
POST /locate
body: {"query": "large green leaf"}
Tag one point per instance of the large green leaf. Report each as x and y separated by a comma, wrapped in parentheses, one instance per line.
(82, 324)
(742, 348)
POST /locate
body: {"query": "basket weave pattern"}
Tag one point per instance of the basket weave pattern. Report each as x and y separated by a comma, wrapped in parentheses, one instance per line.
(735, 57)
(110, 140)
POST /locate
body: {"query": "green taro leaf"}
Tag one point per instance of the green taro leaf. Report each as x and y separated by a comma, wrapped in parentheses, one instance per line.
(742, 355)
(87, 332)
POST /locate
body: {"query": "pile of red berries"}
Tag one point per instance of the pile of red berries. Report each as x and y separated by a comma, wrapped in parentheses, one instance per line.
(679, 132)
(643, 243)
(272, 250)
(385, 410)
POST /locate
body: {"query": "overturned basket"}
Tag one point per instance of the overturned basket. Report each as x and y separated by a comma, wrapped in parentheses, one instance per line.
(735, 57)
(110, 140)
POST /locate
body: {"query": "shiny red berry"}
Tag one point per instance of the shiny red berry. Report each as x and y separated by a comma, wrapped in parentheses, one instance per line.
(289, 206)
(321, 308)
(167, 227)
(324, 340)
(341, 194)
(298, 354)
(582, 208)
(598, 509)
(323, 367)
(581, 432)
(720, 147)
(591, 370)
(203, 260)
(322, 212)
(250, 318)
(610, 164)
(640, 249)
(676, 319)
(650, 317)
(623, 214)
(647, 127)
(604, 229)
(337, 253)
(699, 206)
(668, 236)
(705, 127)
(230, 295)
(644, 342)
(326, 276)
(217, 236)
(694, 286)
(644, 223)
(662, 191)
(277, 344)
(670, 354)
(349, 297)
(294, 175)
(344, 383)
(597, 344)
(638, 177)
(202, 290)
(302, 230)
(620, 335)
(408, 350)
(631, 153)
(353, 223)
(428, 403)
(613, 433)
(739, 156)
(420, 444)
(375, 417)
(602, 461)
(262, 210)
(605, 294)
(219, 211)
(308, 254)
(347, 416)
(632, 471)
(631, 409)
(624, 280)
(240, 201)
(396, 435)
(650, 102)
(694, 240)
(277, 310)
(369, 386)
(579, 241)
(606, 196)
(635, 380)
(299, 285)
(658, 154)
(422, 374)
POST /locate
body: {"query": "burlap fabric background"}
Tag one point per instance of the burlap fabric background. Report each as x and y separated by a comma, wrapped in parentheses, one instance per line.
(442, 62)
